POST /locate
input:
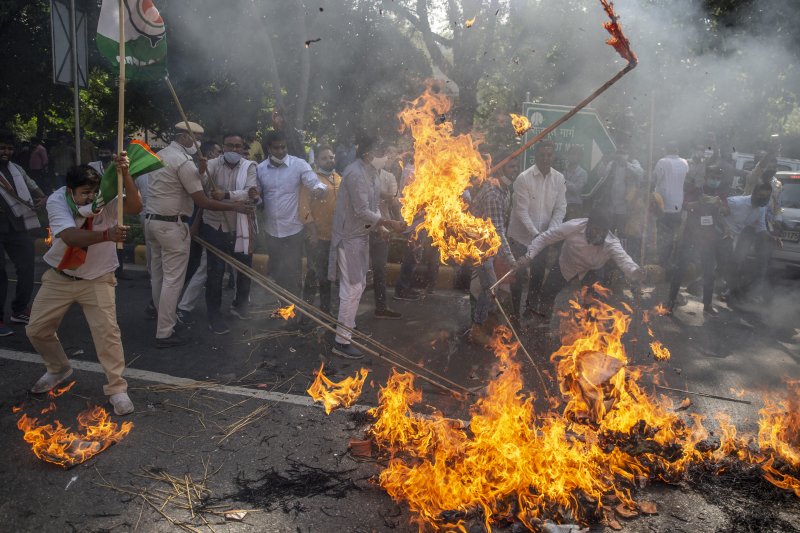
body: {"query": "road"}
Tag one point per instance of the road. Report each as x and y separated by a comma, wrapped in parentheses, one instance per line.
(252, 434)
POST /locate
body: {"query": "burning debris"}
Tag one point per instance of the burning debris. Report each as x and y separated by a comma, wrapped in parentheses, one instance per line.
(618, 40)
(469, 22)
(520, 123)
(660, 351)
(49, 239)
(444, 165)
(511, 463)
(284, 312)
(334, 394)
(54, 443)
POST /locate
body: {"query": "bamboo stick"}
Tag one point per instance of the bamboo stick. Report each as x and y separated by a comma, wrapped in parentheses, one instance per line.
(704, 395)
(121, 113)
(306, 309)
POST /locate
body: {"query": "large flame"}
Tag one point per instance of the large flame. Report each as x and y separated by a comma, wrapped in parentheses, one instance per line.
(335, 394)
(573, 465)
(57, 444)
(443, 166)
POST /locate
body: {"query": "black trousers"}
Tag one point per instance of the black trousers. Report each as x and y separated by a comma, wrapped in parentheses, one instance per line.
(379, 256)
(317, 256)
(215, 266)
(691, 249)
(555, 282)
(537, 270)
(18, 245)
(286, 261)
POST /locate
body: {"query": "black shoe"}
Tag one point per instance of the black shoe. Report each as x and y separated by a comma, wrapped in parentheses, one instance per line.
(348, 351)
(184, 317)
(218, 326)
(150, 311)
(171, 341)
(387, 314)
(409, 294)
(709, 310)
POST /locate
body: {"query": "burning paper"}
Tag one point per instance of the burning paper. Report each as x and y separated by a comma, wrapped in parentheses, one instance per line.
(59, 445)
(444, 164)
(49, 240)
(286, 312)
(469, 22)
(520, 123)
(337, 394)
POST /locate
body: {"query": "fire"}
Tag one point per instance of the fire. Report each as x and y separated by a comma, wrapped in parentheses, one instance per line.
(55, 393)
(618, 40)
(520, 123)
(444, 166)
(660, 351)
(515, 461)
(49, 240)
(334, 394)
(56, 444)
(286, 312)
(660, 310)
(469, 22)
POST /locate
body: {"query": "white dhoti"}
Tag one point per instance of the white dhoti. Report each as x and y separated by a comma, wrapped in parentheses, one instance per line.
(352, 259)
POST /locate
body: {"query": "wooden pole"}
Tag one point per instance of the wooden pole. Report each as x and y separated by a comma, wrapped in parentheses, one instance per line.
(186, 122)
(121, 113)
(563, 119)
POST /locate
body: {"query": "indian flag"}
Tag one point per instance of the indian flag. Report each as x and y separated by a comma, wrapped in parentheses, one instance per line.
(145, 37)
(142, 160)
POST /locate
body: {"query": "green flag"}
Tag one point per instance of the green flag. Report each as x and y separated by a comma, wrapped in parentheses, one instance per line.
(145, 38)
(142, 160)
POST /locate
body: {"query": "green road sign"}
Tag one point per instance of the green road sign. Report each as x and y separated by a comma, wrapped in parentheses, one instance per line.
(584, 129)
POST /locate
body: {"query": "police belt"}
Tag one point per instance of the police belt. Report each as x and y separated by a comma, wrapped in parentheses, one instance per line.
(167, 218)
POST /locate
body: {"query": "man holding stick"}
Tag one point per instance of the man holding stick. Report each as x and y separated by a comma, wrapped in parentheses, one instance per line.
(172, 190)
(83, 259)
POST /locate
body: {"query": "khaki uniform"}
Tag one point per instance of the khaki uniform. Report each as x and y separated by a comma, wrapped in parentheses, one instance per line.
(169, 195)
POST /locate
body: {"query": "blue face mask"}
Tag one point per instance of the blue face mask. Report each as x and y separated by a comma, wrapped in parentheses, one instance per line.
(232, 157)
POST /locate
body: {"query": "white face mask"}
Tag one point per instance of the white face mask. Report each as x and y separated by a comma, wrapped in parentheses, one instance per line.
(379, 162)
(192, 149)
(232, 157)
(278, 162)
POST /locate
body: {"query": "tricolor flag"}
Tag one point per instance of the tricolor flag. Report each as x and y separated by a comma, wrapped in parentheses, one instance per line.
(141, 159)
(145, 37)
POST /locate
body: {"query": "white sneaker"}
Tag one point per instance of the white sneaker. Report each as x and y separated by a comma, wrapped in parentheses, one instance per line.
(122, 403)
(50, 381)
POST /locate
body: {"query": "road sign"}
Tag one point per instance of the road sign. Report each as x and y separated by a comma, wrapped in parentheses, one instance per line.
(584, 129)
(61, 28)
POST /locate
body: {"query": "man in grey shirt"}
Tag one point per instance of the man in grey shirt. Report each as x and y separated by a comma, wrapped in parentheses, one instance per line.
(356, 216)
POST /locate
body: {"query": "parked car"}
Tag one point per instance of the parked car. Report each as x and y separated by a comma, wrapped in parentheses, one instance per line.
(787, 222)
(744, 163)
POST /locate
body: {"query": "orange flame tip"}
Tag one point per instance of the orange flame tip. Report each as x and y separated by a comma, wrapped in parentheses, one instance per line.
(337, 394)
(286, 312)
(520, 123)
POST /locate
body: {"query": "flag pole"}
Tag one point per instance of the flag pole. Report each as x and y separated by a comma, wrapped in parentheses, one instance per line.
(121, 113)
(185, 121)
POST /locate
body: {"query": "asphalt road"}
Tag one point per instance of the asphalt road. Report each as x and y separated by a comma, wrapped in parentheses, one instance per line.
(264, 465)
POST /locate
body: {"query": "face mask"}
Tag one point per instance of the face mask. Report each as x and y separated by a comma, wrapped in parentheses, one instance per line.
(193, 148)
(379, 162)
(278, 162)
(326, 171)
(232, 157)
(712, 184)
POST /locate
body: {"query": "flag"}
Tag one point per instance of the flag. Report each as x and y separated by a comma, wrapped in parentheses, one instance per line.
(145, 37)
(142, 160)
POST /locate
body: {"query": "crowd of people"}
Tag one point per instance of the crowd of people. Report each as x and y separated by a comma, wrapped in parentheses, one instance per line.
(339, 207)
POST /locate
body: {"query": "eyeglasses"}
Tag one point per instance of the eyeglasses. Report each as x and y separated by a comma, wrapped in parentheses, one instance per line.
(237, 146)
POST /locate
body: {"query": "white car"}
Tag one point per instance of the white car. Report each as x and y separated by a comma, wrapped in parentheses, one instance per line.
(787, 222)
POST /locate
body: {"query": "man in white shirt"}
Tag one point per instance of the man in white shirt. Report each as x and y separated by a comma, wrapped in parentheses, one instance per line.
(234, 178)
(538, 203)
(83, 259)
(588, 245)
(280, 177)
(670, 175)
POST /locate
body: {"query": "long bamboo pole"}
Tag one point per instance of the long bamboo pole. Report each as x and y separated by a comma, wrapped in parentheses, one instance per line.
(603, 88)
(305, 309)
(121, 113)
(186, 123)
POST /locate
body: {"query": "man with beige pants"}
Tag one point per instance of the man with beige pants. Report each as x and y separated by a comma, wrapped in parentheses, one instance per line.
(83, 260)
(172, 189)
